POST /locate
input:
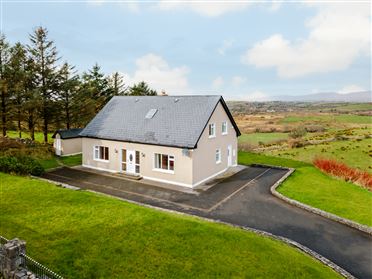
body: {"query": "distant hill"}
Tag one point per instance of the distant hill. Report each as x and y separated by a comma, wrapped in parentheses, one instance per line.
(355, 97)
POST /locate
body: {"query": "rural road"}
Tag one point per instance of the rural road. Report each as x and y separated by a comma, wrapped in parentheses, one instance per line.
(244, 199)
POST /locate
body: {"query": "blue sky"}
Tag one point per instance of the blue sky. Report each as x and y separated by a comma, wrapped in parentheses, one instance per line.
(242, 50)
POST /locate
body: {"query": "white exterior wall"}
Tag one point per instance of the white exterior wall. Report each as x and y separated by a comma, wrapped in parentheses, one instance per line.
(204, 163)
(68, 146)
(182, 174)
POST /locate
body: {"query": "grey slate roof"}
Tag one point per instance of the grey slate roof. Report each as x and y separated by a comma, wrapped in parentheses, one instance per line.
(179, 120)
(68, 134)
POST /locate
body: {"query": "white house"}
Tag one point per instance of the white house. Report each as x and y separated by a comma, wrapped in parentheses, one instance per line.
(67, 142)
(183, 140)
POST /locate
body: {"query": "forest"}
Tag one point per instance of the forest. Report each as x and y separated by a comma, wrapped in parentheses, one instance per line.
(40, 91)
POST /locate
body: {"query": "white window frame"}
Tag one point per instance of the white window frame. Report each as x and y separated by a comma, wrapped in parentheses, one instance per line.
(218, 159)
(224, 123)
(168, 170)
(214, 130)
(97, 148)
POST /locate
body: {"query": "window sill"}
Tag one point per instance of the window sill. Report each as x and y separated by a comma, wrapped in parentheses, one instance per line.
(224, 134)
(101, 160)
(164, 171)
(211, 137)
(219, 162)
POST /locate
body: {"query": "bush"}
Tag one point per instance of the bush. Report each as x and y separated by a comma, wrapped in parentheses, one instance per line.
(295, 143)
(297, 133)
(345, 172)
(314, 128)
(20, 165)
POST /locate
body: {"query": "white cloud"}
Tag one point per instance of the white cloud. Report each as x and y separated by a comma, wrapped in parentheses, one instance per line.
(339, 33)
(208, 8)
(217, 83)
(225, 46)
(238, 80)
(155, 71)
(351, 89)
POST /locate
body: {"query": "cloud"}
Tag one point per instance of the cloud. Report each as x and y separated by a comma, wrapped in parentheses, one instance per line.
(225, 46)
(254, 96)
(208, 8)
(217, 83)
(339, 33)
(351, 89)
(238, 80)
(156, 71)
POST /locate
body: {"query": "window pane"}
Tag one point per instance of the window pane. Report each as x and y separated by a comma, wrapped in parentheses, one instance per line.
(124, 166)
(137, 157)
(96, 152)
(101, 152)
(157, 161)
(106, 153)
(124, 155)
(171, 164)
(164, 162)
(137, 169)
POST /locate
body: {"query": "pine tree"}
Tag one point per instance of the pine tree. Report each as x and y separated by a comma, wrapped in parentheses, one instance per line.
(141, 89)
(17, 82)
(117, 85)
(44, 55)
(67, 95)
(4, 80)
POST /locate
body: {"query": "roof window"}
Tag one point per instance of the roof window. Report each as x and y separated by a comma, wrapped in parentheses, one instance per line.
(150, 114)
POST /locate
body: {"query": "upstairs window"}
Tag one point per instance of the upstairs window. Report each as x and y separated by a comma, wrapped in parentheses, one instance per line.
(101, 153)
(224, 128)
(212, 130)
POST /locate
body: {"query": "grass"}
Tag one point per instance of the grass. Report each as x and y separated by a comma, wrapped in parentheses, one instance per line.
(39, 136)
(50, 163)
(255, 138)
(340, 118)
(85, 235)
(310, 186)
(351, 152)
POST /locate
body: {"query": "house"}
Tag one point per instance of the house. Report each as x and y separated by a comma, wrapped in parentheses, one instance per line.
(183, 140)
(67, 142)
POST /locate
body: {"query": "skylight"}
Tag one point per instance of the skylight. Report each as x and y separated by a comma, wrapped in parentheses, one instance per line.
(150, 114)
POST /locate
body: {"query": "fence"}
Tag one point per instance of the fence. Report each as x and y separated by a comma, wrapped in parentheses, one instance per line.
(20, 260)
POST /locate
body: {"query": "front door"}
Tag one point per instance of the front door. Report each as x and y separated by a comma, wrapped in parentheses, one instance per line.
(229, 156)
(58, 146)
(131, 161)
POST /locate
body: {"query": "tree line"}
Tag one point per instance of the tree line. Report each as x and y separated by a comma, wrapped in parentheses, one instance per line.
(39, 92)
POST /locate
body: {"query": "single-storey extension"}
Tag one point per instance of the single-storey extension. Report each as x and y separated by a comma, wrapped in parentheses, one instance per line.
(183, 140)
(67, 142)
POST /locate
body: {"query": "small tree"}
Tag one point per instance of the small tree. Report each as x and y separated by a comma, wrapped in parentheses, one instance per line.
(4, 82)
(117, 85)
(299, 132)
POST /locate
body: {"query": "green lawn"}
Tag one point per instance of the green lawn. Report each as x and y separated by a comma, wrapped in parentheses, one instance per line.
(310, 186)
(85, 235)
(341, 118)
(352, 152)
(39, 136)
(255, 138)
(56, 161)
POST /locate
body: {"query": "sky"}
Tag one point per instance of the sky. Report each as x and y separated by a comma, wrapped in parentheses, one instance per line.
(242, 50)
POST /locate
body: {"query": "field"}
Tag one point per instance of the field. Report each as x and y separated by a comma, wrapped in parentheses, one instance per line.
(85, 235)
(310, 186)
(39, 137)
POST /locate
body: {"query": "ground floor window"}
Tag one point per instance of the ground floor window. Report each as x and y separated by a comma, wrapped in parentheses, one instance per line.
(164, 162)
(101, 153)
(218, 155)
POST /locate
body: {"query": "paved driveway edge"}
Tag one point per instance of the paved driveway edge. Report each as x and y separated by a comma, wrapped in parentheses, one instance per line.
(344, 221)
(288, 241)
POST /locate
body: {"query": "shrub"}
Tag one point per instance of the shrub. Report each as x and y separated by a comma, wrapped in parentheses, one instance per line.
(345, 172)
(297, 133)
(314, 128)
(295, 143)
(246, 146)
(20, 165)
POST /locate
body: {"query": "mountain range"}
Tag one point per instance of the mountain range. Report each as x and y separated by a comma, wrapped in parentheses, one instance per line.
(354, 97)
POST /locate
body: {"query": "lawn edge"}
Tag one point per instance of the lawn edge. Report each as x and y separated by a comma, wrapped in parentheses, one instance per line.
(323, 260)
(363, 228)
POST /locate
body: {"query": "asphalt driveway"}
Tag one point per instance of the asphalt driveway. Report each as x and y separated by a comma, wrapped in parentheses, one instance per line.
(243, 199)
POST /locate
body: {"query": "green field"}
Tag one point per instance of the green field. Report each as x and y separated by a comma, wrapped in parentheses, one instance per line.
(310, 186)
(55, 161)
(80, 234)
(354, 153)
(39, 136)
(255, 138)
(341, 118)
